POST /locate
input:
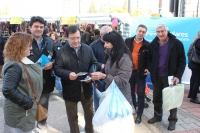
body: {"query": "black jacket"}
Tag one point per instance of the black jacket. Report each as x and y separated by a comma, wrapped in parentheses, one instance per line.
(142, 59)
(48, 47)
(9, 89)
(68, 61)
(191, 64)
(175, 58)
(2, 43)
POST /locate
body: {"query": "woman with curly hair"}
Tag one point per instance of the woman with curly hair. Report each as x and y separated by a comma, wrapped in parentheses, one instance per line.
(19, 104)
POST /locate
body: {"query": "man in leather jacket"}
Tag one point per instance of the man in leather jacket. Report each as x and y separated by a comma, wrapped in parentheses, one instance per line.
(138, 46)
(43, 45)
(75, 57)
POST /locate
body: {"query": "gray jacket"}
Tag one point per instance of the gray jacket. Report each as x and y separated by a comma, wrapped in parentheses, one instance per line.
(120, 75)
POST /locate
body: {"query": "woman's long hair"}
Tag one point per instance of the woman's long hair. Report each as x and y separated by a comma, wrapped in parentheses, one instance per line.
(119, 46)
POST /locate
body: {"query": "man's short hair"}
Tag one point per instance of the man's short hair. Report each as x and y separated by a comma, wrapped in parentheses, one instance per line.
(104, 28)
(143, 26)
(162, 25)
(71, 30)
(36, 19)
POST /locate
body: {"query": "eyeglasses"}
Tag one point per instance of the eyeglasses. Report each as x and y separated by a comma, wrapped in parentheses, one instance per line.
(74, 38)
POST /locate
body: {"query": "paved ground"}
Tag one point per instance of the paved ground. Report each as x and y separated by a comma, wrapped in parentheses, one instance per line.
(188, 114)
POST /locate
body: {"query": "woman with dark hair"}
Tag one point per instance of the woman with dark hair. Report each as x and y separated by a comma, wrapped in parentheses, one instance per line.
(118, 65)
(19, 104)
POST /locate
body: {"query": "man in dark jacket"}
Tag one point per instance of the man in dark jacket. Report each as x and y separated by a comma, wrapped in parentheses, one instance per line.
(166, 58)
(43, 45)
(138, 46)
(73, 59)
(2, 43)
(99, 52)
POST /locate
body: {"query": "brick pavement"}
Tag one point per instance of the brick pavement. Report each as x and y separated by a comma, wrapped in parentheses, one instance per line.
(188, 116)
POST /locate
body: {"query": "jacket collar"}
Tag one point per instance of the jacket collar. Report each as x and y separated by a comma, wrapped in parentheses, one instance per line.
(26, 60)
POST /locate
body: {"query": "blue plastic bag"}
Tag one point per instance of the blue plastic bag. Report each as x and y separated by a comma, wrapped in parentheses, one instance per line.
(112, 114)
(118, 105)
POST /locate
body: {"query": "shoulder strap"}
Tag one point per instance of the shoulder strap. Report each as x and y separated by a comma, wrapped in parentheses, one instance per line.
(29, 81)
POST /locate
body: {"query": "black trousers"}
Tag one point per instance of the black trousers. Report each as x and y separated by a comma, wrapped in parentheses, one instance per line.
(161, 83)
(194, 83)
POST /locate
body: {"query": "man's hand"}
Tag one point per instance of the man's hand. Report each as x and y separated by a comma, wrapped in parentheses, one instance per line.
(146, 71)
(48, 66)
(72, 76)
(175, 80)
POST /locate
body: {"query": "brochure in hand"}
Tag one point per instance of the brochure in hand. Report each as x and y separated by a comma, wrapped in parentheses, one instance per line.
(43, 60)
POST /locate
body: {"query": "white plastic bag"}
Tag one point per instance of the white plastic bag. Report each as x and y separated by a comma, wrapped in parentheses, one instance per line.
(114, 113)
(118, 105)
(173, 96)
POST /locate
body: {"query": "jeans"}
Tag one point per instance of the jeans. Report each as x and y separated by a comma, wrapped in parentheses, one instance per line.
(141, 84)
(58, 85)
(98, 87)
(44, 101)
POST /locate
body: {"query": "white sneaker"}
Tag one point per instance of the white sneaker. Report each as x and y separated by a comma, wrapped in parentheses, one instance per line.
(39, 130)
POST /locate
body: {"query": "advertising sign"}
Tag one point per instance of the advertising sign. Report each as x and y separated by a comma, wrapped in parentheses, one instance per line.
(185, 29)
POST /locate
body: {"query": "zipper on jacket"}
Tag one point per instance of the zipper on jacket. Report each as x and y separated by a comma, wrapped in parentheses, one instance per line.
(26, 112)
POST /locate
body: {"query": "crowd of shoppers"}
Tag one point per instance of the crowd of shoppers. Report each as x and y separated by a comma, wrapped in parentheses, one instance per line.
(84, 68)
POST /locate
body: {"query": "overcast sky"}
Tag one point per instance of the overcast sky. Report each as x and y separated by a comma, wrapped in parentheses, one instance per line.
(54, 8)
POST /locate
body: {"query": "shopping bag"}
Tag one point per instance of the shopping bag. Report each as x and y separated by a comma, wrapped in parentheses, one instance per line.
(105, 120)
(173, 96)
(118, 105)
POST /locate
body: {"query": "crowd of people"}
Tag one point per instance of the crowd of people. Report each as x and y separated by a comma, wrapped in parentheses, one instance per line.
(84, 67)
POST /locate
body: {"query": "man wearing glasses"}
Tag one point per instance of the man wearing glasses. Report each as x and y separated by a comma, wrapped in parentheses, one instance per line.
(73, 62)
(42, 45)
(166, 58)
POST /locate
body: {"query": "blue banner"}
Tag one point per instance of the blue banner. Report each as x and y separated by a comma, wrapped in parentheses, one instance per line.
(185, 29)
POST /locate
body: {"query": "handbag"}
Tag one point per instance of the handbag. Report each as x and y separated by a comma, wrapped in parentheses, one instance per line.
(195, 55)
(41, 113)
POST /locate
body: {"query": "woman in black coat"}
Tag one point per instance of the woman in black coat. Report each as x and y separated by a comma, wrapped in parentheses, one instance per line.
(195, 77)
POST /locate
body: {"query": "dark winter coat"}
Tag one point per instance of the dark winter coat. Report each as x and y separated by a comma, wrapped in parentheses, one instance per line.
(191, 64)
(68, 61)
(98, 50)
(142, 59)
(48, 47)
(176, 59)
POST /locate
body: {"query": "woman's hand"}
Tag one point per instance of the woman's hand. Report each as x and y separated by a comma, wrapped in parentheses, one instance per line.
(98, 75)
